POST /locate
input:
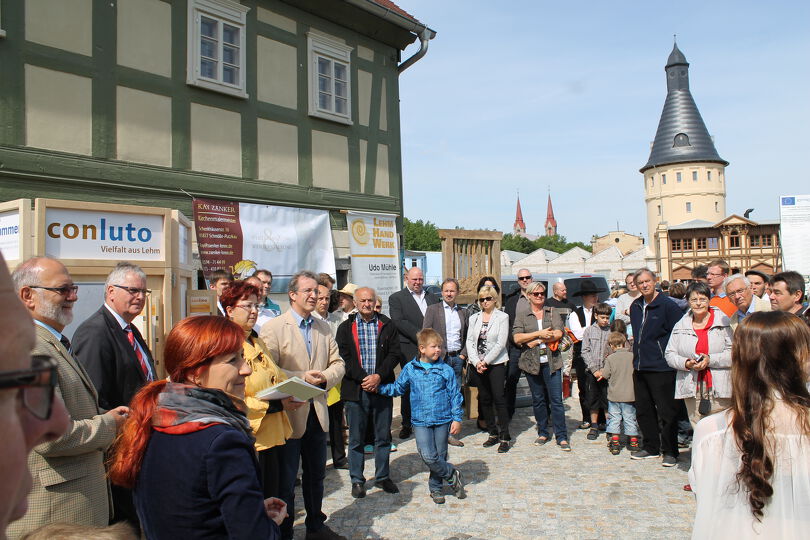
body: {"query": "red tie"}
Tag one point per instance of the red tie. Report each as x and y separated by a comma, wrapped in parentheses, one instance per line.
(131, 338)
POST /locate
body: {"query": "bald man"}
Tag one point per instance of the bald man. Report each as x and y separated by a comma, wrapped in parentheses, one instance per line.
(407, 308)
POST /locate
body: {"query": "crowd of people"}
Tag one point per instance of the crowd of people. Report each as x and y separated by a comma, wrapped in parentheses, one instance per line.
(200, 454)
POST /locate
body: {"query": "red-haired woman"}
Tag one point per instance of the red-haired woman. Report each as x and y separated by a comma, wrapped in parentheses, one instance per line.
(751, 464)
(187, 447)
(270, 424)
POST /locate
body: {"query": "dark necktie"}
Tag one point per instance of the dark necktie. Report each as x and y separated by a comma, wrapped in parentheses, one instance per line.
(66, 342)
(141, 360)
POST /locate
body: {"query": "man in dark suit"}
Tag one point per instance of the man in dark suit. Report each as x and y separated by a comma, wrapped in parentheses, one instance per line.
(450, 322)
(407, 308)
(115, 354)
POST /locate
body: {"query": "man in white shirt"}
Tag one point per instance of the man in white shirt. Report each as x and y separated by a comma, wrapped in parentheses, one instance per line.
(759, 282)
(623, 302)
(580, 319)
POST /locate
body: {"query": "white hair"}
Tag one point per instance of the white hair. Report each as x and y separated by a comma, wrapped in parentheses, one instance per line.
(734, 277)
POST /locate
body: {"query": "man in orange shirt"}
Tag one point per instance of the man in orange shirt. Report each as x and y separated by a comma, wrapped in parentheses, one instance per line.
(715, 276)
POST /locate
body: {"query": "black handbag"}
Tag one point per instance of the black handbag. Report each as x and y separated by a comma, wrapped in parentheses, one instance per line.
(705, 406)
(470, 376)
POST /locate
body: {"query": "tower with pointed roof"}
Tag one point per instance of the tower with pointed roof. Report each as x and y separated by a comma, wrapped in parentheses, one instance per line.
(551, 223)
(519, 228)
(684, 177)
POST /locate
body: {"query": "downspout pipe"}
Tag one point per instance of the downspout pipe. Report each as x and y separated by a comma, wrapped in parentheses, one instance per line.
(425, 34)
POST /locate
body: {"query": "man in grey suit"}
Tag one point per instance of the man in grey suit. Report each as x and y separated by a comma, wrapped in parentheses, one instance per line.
(450, 322)
(70, 482)
(407, 309)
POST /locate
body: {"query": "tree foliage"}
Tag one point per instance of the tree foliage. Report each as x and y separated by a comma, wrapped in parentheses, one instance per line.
(555, 243)
(421, 235)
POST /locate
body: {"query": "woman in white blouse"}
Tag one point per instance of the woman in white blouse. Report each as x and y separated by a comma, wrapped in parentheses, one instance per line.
(487, 336)
(751, 464)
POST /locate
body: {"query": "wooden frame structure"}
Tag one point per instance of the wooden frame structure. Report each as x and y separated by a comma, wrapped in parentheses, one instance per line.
(469, 255)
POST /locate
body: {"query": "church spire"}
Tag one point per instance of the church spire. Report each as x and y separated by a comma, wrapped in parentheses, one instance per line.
(519, 227)
(551, 223)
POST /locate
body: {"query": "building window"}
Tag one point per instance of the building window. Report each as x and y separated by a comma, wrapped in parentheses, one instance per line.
(676, 244)
(689, 207)
(709, 175)
(216, 50)
(663, 179)
(767, 240)
(694, 176)
(329, 78)
(687, 244)
(701, 243)
(652, 181)
(755, 239)
(678, 177)
(659, 209)
(734, 239)
(712, 242)
(681, 139)
(716, 206)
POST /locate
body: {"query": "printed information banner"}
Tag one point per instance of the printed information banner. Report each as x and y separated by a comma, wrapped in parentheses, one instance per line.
(243, 237)
(375, 254)
(10, 235)
(794, 214)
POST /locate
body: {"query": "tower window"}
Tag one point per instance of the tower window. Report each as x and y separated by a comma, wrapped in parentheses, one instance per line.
(709, 175)
(694, 176)
(659, 209)
(681, 139)
(652, 181)
(663, 179)
(678, 177)
(716, 206)
(689, 207)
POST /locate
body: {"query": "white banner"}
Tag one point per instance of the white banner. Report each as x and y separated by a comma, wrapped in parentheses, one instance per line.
(375, 253)
(85, 234)
(794, 215)
(10, 235)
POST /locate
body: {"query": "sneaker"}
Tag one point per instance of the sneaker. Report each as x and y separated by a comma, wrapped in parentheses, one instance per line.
(492, 440)
(584, 425)
(457, 485)
(437, 497)
(368, 449)
(503, 447)
(394, 447)
(633, 445)
(643, 454)
(615, 446)
(669, 461)
(540, 441)
(593, 434)
(452, 441)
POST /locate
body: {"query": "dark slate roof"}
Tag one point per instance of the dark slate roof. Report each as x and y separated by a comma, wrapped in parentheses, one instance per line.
(681, 116)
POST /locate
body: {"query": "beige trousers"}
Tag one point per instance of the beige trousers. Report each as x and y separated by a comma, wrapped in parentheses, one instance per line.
(692, 404)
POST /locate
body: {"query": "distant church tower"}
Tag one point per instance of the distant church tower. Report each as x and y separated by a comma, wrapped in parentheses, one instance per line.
(551, 223)
(684, 179)
(519, 228)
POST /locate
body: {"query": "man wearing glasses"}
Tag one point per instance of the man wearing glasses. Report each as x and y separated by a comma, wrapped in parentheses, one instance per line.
(69, 479)
(29, 416)
(739, 290)
(115, 354)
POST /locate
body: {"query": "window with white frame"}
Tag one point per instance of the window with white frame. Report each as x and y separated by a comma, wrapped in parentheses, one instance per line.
(216, 48)
(329, 78)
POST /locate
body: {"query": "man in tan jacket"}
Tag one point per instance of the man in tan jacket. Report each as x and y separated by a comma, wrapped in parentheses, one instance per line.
(302, 345)
(69, 479)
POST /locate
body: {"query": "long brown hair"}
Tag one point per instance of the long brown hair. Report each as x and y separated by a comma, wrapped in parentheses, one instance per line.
(190, 347)
(769, 360)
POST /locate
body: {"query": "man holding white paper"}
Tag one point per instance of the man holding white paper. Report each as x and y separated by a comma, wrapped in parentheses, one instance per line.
(369, 345)
(302, 345)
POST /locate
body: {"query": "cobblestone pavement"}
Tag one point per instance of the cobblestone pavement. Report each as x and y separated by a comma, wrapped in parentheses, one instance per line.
(529, 492)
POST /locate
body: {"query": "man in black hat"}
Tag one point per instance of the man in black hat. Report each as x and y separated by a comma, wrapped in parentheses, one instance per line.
(759, 282)
(580, 319)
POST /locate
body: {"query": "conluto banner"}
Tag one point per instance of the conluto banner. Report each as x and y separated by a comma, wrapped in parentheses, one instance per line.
(375, 253)
(243, 237)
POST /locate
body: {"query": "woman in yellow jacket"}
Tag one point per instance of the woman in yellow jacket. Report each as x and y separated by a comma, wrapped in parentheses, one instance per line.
(267, 418)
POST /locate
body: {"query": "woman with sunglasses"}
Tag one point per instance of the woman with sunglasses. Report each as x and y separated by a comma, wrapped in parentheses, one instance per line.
(270, 424)
(187, 448)
(533, 330)
(487, 336)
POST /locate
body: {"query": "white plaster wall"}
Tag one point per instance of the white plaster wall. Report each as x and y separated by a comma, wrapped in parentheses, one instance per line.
(382, 182)
(65, 24)
(276, 19)
(278, 151)
(143, 127)
(276, 78)
(330, 161)
(216, 140)
(145, 36)
(58, 111)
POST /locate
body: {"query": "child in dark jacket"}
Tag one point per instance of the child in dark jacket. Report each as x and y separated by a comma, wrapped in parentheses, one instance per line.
(618, 370)
(436, 411)
(593, 344)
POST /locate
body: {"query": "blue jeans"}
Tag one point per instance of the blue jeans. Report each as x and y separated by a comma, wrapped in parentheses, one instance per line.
(431, 442)
(619, 413)
(457, 364)
(380, 408)
(310, 450)
(552, 383)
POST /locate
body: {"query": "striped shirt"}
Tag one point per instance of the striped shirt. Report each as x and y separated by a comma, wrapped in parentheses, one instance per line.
(367, 338)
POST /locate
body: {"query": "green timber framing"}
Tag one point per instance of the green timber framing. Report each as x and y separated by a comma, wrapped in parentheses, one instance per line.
(27, 172)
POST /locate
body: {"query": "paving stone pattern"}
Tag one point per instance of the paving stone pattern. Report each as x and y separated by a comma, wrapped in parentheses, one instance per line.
(529, 492)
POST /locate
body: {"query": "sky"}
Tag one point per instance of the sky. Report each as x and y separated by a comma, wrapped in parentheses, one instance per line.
(566, 96)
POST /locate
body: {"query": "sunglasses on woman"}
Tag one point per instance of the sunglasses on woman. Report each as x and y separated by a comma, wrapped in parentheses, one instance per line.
(486, 299)
(36, 385)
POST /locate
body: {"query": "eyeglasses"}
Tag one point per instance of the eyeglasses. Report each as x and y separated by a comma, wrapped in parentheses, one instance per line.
(134, 291)
(249, 307)
(538, 294)
(486, 299)
(698, 301)
(733, 294)
(67, 290)
(36, 385)
(524, 278)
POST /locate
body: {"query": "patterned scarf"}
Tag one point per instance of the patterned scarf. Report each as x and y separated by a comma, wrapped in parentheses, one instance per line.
(183, 408)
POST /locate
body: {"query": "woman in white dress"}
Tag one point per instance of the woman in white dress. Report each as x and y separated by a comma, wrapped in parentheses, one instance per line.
(751, 464)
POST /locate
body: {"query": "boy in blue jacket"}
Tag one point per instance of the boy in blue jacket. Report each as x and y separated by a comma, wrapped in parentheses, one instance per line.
(436, 411)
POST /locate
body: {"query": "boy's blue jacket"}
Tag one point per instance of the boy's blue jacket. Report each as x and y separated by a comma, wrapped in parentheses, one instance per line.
(435, 395)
